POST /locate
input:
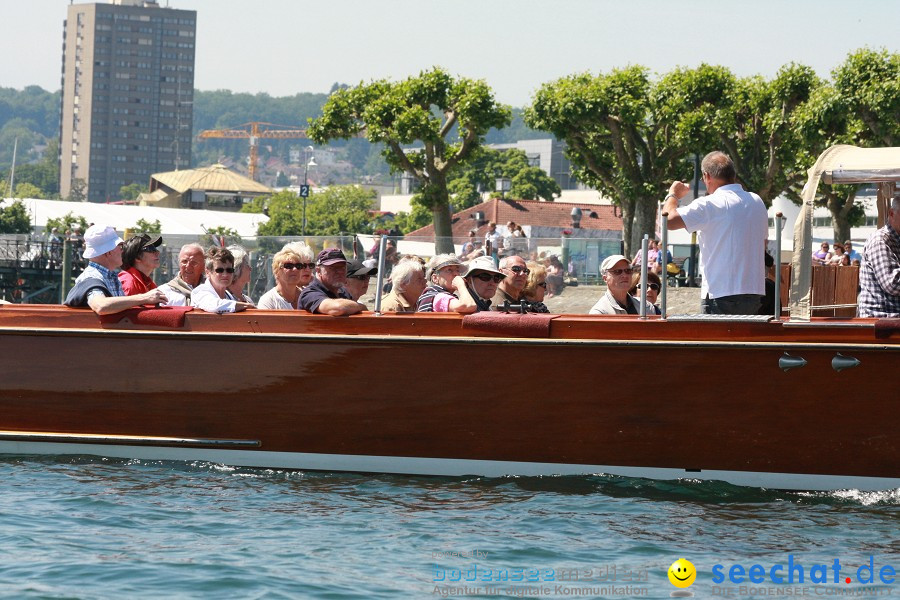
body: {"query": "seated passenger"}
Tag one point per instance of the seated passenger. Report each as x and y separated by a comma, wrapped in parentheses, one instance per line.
(536, 287)
(140, 256)
(879, 275)
(822, 256)
(482, 279)
(287, 269)
(213, 295)
(98, 286)
(307, 262)
(616, 272)
(510, 289)
(326, 294)
(358, 276)
(407, 284)
(445, 284)
(653, 286)
(190, 273)
(242, 273)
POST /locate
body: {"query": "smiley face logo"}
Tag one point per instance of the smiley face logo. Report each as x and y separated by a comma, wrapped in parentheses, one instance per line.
(682, 573)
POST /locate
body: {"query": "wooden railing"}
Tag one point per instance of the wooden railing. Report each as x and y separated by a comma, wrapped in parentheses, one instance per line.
(831, 285)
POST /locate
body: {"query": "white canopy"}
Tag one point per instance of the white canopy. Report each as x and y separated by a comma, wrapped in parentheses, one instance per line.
(174, 221)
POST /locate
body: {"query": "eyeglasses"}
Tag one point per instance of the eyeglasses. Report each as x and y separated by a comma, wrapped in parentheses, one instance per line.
(150, 249)
(224, 269)
(617, 272)
(543, 284)
(488, 277)
(359, 277)
(651, 286)
(298, 266)
(520, 270)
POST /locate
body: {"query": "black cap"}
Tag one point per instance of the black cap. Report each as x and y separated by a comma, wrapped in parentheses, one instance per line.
(357, 269)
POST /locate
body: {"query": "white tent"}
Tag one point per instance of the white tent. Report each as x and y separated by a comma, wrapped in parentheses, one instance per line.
(174, 221)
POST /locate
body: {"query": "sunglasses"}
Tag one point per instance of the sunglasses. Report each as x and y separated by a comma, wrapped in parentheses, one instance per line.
(488, 277)
(651, 286)
(150, 249)
(359, 277)
(224, 269)
(519, 270)
(617, 272)
(298, 266)
(543, 284)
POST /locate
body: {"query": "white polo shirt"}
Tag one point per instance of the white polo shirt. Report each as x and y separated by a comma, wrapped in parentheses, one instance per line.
(733, 225)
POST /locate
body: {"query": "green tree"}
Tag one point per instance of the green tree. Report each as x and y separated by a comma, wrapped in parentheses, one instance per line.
(15, 218)
(340, 209)
(527, 182)
(44, 174)
(131, 191)
(869, 83)
(144, 226)
(628, 136)
(217, 236)
(757, 128)
(28, 190)
(77, 191)
(421, 110)
(67, 221)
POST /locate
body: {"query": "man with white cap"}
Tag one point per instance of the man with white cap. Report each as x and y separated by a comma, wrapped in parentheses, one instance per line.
(98, 286)
(616, 271)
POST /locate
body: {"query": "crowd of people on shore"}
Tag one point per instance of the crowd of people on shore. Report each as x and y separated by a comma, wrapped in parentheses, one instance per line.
(738, 273)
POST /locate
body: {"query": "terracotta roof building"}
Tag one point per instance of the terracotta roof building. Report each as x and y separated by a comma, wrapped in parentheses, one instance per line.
(538, 219)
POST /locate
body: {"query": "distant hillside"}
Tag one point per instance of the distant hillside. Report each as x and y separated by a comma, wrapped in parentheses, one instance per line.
(32, 115)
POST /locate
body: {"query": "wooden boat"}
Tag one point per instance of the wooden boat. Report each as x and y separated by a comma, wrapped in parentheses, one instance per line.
(805, 403)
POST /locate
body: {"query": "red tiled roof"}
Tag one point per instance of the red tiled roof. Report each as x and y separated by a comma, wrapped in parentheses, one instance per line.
(529, 212)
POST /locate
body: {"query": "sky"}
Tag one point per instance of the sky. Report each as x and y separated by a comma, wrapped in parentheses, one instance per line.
(284, 47)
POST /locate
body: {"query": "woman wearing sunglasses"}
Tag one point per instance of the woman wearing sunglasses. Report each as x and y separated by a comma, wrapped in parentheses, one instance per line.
(288, 269)
(140, 256)
(536, 288)
(653, 287)
(213, 295)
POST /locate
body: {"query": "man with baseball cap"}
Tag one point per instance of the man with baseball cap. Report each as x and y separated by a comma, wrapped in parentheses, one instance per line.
(358, 276)
(616, 271)
(98, 286)
(325, 294)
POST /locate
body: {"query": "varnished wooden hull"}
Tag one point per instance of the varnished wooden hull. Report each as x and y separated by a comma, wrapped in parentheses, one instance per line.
(423, 394)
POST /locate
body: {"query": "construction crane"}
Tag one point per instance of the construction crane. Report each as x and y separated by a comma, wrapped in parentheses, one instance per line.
(253, 131)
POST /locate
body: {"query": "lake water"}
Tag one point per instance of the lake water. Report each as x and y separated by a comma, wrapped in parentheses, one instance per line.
(86, 527)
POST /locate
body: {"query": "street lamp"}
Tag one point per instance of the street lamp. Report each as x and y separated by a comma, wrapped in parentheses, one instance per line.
(503, 185)
(311, 163)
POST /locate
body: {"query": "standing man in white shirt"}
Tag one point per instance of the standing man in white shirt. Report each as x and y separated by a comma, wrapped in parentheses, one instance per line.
(733, 226)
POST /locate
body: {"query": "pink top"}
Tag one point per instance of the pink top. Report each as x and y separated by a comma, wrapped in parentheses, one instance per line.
(442, 302)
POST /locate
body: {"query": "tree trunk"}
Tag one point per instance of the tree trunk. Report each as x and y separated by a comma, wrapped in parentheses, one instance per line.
(627, 208)
(840, 206)
(644, 223)
(443, 233)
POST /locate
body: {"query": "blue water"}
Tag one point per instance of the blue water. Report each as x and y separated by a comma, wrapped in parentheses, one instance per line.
(86, 527)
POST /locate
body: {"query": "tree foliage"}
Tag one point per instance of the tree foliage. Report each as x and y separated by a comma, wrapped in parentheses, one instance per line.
(131, 191)
(144, 226)
(15, 218)
(338, 209)
(480, 174)
(67, 221)
(421, 110)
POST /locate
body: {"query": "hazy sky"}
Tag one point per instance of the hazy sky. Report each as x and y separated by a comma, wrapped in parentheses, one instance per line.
(283, 47)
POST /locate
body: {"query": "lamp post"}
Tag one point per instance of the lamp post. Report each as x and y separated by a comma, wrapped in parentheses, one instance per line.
(503, 184)
(310, 163)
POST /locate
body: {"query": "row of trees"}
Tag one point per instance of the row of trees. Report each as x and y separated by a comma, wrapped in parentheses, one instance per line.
(630, 134)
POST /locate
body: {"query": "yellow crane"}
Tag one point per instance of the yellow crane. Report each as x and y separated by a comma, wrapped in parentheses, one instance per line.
(254, 131)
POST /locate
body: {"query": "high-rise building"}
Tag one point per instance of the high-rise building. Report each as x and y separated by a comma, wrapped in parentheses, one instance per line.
(127, 95)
